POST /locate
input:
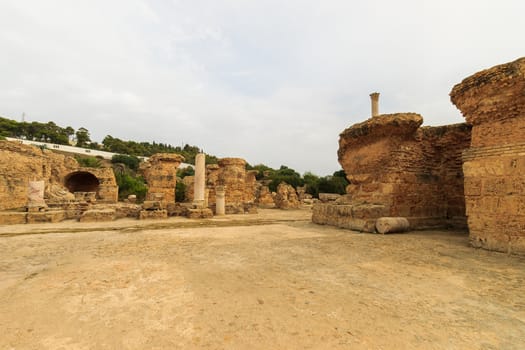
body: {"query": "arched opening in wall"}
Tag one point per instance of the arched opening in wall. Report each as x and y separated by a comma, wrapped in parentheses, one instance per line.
(82, 181)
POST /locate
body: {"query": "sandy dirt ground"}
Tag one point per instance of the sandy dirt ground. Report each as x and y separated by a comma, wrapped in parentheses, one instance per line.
(268, 281)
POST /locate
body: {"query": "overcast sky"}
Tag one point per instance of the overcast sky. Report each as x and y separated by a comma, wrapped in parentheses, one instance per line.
(270, 81)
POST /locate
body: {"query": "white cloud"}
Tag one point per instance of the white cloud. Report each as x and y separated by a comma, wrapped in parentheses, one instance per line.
(270, 81)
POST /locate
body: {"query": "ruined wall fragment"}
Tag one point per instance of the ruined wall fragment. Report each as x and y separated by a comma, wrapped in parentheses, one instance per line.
(398, 169)
(160, 173)
(21, 163)
(493, 101)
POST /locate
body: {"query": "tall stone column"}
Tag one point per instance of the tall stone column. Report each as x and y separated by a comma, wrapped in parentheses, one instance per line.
(220, 201)
(374, 97)
(200, 179)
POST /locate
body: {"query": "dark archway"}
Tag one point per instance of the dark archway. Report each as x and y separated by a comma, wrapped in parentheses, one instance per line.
(82, 181)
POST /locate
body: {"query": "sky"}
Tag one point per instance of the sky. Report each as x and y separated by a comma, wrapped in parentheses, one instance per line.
(273, 82)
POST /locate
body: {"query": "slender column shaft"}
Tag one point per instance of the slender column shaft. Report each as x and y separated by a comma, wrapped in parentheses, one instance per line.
(220, 202)
(200, 177)
(375, 103)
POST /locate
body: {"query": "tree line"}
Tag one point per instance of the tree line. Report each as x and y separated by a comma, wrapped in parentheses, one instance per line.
(52, 133)
(131, 150)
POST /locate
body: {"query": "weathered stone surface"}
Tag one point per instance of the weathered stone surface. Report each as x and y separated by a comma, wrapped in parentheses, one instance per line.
(101, 181)
(232, 175)
(250, 186)
(329, 197)
(264, 197)
(127, 210)
(160, 173)
(152, 205)
(220, 204)
(51, 216)
(153, 214)
(95, 215)
(21, 164)
(199, 213)
(13, 218)
(346, 216)
(286, 197)
(35, 196)
(188, 182)
(392, 225)
(493, 101)
(411, 171)
(212, 181)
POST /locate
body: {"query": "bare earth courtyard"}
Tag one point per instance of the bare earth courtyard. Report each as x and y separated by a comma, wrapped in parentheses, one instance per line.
(268, 281)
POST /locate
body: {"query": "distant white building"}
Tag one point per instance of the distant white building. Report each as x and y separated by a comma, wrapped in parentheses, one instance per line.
(77, 150)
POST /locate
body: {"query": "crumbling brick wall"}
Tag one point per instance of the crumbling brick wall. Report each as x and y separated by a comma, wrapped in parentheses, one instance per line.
(493, 101)
(397, 168)
(160, 173)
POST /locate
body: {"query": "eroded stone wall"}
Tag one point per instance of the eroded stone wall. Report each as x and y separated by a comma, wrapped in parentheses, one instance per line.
(493, 101)
(397, 168)
(160, 173)
(20, 164)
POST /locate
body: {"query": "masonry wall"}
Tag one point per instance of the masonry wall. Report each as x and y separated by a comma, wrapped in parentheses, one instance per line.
(397, 168)
(160, 173)
(21, 164)
(493, 101)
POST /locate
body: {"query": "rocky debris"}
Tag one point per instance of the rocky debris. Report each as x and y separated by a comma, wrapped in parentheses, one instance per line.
(286, 197)
(493, 101)
(264, 197)
(329, 197)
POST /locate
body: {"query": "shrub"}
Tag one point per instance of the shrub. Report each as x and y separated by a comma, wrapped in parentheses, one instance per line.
(131, 162)
(128, 184)
(89, 162)
(180, 192)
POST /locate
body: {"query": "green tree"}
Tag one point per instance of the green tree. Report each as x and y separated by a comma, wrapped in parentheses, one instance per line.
(180, 191)
(131, 162)
(129, 184)
(83, 137)
(285, 174)
(311, 182)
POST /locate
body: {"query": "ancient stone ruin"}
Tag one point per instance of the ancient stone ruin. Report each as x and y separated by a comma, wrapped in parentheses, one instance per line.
(41, 186)
(493, 102)
(402, 174)
(237, 184)
(160, 173)
(398, 169)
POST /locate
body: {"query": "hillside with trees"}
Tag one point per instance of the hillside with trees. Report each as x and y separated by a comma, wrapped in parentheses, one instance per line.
(126, 163)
